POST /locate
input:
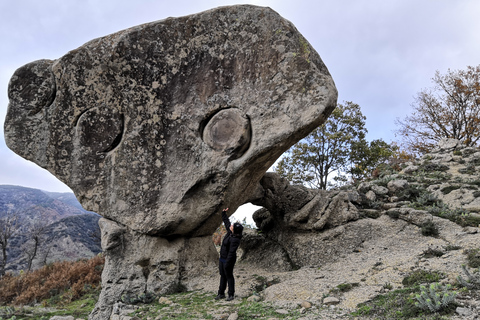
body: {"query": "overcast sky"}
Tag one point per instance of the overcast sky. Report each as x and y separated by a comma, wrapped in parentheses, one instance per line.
(379, 52)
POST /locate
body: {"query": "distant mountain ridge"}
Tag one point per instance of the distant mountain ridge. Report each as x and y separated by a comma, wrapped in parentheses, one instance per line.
(71, 232)
(26, 201)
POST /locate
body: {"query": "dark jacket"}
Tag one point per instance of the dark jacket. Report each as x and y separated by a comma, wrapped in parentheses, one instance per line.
(230, 243)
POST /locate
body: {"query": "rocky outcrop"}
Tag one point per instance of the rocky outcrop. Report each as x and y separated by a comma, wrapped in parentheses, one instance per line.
(293, 221)
(159, 126)
(304, 227)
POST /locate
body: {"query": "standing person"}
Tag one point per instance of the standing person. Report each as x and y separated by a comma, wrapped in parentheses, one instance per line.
(228, 257)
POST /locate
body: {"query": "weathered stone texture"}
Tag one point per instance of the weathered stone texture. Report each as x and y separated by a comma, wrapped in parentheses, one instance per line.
(159, 126)
(294, 223)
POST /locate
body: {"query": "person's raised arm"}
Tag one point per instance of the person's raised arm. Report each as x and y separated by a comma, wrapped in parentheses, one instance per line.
(225, 219)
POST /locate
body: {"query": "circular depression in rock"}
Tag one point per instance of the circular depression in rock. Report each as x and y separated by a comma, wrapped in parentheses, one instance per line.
(228, 131)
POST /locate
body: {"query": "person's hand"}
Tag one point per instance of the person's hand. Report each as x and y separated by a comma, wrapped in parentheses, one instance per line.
(225, 210)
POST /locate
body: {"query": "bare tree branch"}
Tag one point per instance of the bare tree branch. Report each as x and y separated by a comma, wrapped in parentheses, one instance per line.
(451, 109)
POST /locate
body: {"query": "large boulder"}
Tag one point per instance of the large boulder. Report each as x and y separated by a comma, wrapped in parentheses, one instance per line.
(159, 126)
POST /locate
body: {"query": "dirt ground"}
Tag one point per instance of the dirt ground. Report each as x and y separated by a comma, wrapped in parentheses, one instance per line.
(380, 265)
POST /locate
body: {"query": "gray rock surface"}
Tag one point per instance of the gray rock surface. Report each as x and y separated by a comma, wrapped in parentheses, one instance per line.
(291, 223)
(331, 301)
(180, 115)
(159, 126)
(448, 144)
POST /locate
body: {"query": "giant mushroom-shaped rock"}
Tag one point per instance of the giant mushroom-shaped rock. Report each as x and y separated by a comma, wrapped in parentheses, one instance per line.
(159, 126)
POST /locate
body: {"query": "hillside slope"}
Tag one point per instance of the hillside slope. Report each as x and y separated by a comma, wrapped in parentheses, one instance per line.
(69, 232)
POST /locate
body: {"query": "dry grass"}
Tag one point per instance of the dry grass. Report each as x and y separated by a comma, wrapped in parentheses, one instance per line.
(72, 279)
(218, 235)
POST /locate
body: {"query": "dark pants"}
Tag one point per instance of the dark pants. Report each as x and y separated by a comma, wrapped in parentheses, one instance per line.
(226, 276)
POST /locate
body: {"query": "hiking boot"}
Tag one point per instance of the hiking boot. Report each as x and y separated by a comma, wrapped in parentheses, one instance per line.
(220, 296)
(230, 298)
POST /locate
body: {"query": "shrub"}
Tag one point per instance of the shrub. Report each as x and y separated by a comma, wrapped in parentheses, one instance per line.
(435, 297)
(396, 304)
(429, 229)
(452, 247)
(449, 189)
(432, 252)
(460, 216)
(439, 209)
(469, 169)
(75, 277)
(421, 276)
(425, 199)
(475, 161)
(144, 298)
(465, 219)
(473, 281)
(473, 257)
(412, 192)
(474, 183)
(344, 287)
(430, 166)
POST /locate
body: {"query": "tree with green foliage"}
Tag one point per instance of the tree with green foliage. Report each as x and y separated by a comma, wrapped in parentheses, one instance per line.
(367, 156)
(337, 148)
(451, 109)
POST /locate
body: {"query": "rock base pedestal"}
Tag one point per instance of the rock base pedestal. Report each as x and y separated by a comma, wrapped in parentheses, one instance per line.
(139, 265)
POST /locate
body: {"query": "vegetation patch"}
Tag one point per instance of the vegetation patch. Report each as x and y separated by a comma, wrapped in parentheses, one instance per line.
(412, 192)
(394, 214)
(58, 282)
(424, 200)
(429, 229)
(473, 257)
(474, 183)
(469, 169)
(458, 215)
(432, 252)
(475, 162)
(398, 304)
(414, 301)
(431, 166)
(472, 281)
(452, 247)
(419, 277)
(448, 189)
(263, 283)
(435, 298)
(202, 305)
(344, 287)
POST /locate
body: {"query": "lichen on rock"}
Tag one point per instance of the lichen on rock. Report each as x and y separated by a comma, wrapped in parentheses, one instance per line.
(159, 126)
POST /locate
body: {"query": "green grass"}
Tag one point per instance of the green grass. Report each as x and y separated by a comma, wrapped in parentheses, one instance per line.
(78, 309)
(399, 305)
(54, 307)
(419, 277)
(201, 305)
